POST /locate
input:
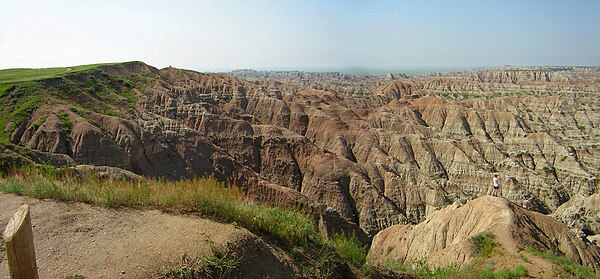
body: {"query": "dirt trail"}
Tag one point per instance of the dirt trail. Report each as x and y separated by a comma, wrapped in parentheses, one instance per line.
(96, 242)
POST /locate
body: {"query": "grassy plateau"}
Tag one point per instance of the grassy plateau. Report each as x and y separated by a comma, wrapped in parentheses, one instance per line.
(28, 74)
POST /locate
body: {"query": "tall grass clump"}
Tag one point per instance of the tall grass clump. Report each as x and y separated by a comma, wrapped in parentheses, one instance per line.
(482, 244)
(12, 186)
(350, 249)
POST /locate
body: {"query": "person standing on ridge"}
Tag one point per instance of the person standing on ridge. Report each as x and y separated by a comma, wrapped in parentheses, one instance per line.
(496, 185)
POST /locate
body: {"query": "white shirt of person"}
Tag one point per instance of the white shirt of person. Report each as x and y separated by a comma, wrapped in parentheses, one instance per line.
(496, 182)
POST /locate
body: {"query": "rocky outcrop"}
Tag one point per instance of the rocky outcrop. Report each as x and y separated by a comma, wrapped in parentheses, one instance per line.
(582, 214)
(104, 172)
(517, 81)
(443, 238)
(351, 85)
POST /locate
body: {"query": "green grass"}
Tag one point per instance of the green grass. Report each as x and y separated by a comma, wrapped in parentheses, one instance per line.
(29, 104)
(20, 75)
(524, 258)
(220, 264)
(13, 187)
(91, 85)
(67, 125)
(568, 268)
(419, 269)
(39, 122)
(100, 91)
(518, 272)
(350, 249)
(130, 97)
(326, 262)
(4, 88)
(17, 107)
(483, 244)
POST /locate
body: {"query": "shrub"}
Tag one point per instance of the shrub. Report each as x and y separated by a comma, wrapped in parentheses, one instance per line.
(483, 244)
(67, 125)
(548, 169)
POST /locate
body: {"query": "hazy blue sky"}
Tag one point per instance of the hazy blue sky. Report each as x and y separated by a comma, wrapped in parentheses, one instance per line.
(209, 35)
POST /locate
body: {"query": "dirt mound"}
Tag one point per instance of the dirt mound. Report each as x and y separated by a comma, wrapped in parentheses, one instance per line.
(444, 237)
(95, 242)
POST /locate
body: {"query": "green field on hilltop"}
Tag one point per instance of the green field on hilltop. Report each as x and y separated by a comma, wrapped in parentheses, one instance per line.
(27, 74)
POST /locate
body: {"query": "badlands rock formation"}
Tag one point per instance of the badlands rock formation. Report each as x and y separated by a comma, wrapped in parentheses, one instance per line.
(363, 162)
(351, 85)
(443, 238)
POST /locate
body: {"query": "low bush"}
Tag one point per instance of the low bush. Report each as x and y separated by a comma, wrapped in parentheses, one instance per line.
(483, 244)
